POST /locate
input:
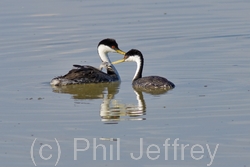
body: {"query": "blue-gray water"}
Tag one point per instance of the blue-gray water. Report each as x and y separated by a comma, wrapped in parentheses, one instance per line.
(203, 47)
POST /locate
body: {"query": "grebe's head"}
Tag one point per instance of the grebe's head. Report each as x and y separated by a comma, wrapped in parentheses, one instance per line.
(109, 45)
(132, 55)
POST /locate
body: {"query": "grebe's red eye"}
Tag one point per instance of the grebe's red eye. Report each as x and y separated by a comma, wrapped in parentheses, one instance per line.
(113, 47)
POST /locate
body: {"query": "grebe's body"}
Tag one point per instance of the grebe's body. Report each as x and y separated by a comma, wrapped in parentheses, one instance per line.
(82, 74)
(153, 82)
(149, 82)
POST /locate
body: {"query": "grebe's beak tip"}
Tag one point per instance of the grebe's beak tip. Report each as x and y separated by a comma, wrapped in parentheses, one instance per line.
(120, 52)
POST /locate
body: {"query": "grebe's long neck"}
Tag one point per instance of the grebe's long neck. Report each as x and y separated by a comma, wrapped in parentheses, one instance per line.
(140, 62)
(103, 53)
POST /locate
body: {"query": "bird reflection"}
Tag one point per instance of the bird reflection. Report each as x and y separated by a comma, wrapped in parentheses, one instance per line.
(89, 91)
(152, 91)
(111, 110)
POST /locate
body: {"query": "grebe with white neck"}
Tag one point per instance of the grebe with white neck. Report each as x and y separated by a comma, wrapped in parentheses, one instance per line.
(83, 74)
(149, 82)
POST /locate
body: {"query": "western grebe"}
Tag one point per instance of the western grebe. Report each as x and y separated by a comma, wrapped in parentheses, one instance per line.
(149, 82)
(88, 74)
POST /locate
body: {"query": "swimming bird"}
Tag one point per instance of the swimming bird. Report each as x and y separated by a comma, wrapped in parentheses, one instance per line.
(83, 74)
(149, 82)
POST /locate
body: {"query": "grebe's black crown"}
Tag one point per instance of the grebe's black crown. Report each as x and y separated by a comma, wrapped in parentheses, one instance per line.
(133, 52)
(108, 42)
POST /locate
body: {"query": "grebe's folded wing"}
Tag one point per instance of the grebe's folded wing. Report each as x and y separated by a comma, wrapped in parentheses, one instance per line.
(86, 74)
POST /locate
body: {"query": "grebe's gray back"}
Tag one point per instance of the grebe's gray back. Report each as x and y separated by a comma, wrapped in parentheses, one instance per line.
(149, 82)
(87, 74)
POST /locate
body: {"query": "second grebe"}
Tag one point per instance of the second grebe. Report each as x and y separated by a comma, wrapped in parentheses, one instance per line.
(149, 82)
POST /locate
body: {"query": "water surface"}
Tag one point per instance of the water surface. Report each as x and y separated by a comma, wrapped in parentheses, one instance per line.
(202, 47)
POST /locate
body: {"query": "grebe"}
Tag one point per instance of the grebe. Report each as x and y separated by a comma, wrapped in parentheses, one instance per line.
(88, 74)
(149, 82)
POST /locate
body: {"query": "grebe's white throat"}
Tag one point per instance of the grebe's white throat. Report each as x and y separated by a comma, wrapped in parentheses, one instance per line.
(138, 61)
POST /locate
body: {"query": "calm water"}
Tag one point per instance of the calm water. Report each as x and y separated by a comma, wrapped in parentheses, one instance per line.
(203, 47)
